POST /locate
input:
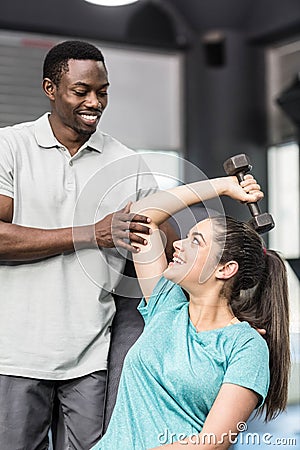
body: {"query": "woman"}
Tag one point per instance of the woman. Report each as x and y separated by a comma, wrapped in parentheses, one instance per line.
(199, 369)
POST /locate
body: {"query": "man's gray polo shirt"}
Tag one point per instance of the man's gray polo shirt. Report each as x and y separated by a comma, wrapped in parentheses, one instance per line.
(56, 312)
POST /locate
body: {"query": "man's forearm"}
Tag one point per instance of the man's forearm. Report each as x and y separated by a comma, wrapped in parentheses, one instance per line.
(18, 243)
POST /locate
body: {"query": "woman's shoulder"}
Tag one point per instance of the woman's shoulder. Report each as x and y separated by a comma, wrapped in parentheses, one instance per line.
(242, 335)
(165, 287)
(165, 296)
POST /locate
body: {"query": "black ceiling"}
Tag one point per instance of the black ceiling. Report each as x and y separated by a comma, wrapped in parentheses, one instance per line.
(155, 21)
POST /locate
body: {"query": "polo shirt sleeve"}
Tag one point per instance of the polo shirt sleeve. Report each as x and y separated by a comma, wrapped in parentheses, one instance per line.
(248, 365)
(146, 183)
(6, 169)
(165, 296)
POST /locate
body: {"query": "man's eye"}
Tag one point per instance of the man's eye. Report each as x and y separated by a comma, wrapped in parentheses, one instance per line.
(103, 94)
(80, 93)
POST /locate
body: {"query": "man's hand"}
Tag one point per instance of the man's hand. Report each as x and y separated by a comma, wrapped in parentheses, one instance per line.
(261, 331)
(118, 230)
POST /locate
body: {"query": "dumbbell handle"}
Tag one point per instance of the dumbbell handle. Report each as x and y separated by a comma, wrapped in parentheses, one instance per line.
(239, 165)
(253, 207)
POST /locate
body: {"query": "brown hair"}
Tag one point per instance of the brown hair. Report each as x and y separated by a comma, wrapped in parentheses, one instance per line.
(258, 293)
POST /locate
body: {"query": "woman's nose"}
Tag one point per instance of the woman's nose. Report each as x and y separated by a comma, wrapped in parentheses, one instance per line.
(178, 244)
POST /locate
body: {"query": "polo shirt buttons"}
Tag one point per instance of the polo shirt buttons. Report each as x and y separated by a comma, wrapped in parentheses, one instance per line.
(70, 182)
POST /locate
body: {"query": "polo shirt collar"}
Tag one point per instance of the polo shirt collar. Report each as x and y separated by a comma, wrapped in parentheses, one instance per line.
(46, 139)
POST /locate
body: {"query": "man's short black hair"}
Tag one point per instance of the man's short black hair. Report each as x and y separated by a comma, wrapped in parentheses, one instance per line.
(56, 60)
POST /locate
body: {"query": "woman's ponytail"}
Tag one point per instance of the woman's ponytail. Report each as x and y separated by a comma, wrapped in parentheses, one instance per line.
(271, 298)
(258, 294)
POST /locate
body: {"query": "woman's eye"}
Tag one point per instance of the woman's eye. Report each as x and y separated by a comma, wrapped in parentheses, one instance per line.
(195, 241)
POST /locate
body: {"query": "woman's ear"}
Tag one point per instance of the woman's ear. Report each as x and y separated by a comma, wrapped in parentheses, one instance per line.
(227, 270)
(49, 88)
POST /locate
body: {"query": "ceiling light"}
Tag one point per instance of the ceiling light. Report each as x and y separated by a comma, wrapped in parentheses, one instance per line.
(111, 2)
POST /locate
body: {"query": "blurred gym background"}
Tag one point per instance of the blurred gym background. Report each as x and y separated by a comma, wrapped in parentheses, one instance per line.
(192, 81)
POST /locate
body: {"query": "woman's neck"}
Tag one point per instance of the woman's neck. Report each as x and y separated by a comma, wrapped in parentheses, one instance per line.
(209, 311)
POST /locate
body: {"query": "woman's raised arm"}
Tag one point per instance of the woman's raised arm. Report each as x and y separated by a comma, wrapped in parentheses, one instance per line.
(150, 262)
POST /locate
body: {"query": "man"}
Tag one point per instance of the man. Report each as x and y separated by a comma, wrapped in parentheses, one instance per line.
(61, 179)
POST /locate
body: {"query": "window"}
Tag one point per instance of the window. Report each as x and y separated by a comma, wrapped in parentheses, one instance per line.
(145, 96)
(284, 198)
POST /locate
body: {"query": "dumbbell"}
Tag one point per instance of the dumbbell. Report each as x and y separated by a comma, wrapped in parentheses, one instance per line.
(239, 165)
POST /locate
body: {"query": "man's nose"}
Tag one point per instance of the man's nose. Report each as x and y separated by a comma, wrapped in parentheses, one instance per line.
(94, 101)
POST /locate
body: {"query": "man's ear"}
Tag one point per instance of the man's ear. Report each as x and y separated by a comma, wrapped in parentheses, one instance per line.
(227, 270)
(49, 88)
